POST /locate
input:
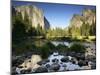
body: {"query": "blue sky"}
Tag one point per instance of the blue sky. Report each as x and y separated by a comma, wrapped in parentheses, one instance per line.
(58, 15)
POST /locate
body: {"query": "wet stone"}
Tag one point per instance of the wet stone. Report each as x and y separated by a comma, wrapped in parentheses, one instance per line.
(55, 67)
(65, 59)
(41, 70)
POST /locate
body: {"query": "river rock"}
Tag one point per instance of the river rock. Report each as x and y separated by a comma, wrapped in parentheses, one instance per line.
(41, 70)
(28, 71)
(48, 66)
(43, 62)
(55, 60)
(82, 63)
(55, 67)
(35, 59)
(65, 59)
(80, 56)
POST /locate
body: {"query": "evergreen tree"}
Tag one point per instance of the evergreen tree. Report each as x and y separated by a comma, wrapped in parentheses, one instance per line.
(19, 29)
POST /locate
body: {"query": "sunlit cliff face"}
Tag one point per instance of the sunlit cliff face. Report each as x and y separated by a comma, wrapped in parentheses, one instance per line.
(88, 16)
(34, 14)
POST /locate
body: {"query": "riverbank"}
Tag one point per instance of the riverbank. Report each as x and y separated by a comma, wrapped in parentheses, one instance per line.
(54, 63)
(64, 51)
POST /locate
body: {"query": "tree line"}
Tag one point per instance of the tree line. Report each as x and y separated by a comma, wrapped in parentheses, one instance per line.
(22, 28)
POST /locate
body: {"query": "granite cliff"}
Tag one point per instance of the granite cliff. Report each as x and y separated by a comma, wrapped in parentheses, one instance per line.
(84, 23)
(34, 14)
(87, 16)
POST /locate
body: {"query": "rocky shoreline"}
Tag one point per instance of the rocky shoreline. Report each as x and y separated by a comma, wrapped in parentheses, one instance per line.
(56, 62)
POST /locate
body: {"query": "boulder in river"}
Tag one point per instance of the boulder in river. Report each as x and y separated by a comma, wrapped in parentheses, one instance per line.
(55, 60)
(35, 59)
(41, 70)
(65, 59)
(43, 62)
(55, 67)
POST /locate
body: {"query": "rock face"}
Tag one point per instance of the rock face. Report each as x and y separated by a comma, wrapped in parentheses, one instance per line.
(47, 24)
(83, 24)
(76, 21)
(34, 14)
(88, 16)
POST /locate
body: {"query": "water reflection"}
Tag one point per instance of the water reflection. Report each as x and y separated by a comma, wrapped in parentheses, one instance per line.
(56, 43)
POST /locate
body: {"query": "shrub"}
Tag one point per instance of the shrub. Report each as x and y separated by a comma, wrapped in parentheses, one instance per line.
(76, 47)
(22, 48)
(62, 48)
(46, 49)
(66, 38)
(50, 45)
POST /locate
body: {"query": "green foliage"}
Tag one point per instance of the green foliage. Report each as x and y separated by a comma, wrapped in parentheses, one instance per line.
(76, 47)
(62, 48)
(50, 45)
(46, 49)
(93, 29)
(84, 30)
(23, 48)
(31, 32)
(69, 31)
(19, 29)
(57, 32)
(75, 31)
